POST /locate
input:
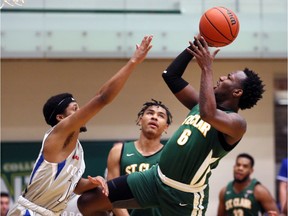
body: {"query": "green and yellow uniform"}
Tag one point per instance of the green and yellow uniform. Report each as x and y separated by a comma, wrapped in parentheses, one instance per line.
(180, 183)
(133, 161)
(242, 203)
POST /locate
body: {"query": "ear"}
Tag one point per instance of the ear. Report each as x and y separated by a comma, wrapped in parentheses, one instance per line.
(237, 92)
(139, 121)
(59, 117)
(166, 129)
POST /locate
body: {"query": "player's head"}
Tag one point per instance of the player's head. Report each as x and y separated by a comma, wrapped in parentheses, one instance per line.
(243, 88)
(243, 167)
(157, 104)
(57, 105)
(253, 89)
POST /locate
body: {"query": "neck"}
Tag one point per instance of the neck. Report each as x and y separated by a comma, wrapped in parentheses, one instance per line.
(148, 146)
(226, 107)
(240, 185)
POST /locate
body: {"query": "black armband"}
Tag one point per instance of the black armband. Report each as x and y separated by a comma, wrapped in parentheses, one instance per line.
(173, 74)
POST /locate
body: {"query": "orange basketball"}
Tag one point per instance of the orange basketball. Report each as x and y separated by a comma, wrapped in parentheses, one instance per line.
(219, 26)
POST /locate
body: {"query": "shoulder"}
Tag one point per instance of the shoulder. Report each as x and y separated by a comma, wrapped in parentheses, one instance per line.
(260, 191)
(223, 190)
(116, 150)
(117, 147)
(222, 193)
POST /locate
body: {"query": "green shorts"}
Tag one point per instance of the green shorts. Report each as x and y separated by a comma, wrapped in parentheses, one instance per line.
(150, 191)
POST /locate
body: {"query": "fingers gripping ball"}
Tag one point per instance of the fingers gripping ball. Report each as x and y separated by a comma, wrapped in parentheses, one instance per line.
(219, 26)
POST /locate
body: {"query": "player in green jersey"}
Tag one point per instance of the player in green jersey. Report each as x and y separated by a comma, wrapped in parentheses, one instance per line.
(243, 195)
(179, 184)
(153, 119)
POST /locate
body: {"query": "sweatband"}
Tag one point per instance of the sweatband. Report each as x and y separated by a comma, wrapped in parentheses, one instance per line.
(173, 74)
(61, 106)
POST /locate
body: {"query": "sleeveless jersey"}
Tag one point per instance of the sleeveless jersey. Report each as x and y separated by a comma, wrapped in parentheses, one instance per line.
(195, 148)
(133, 161)
(243, 203)
(51, 184)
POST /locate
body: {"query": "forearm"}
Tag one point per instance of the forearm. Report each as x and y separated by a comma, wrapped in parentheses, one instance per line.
(207, 102)
(173, 74)
(84, 185)
(113, 86)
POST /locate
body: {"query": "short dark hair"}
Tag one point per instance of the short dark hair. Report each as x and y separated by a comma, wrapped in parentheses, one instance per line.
(155, 103)
(253, 89)
(56, 105)
(249, 157)
(4, 194)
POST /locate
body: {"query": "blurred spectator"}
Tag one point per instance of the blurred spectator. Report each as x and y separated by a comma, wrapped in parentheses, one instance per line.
(282, 186)
(5, 202)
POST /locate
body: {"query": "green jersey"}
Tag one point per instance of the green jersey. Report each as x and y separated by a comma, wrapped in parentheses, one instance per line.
(242, 203)
(179, 183)
(133, 161)
(195, 148)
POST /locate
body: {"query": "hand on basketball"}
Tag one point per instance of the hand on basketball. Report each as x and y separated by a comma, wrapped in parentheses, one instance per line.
(201, 52)
(100, 181)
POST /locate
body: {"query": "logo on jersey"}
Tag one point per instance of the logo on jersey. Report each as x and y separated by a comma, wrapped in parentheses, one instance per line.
(183, 204)
(76, 157)
(129, 155)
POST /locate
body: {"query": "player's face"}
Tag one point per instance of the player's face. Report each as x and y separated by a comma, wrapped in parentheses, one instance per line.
(154, 121)
(242, 169)
(226, 85)
(72, 108)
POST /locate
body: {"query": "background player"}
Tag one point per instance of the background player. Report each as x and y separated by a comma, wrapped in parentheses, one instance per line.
(154, 119)
(243, 195)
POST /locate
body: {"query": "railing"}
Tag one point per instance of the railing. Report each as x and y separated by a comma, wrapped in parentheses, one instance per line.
(111, 28)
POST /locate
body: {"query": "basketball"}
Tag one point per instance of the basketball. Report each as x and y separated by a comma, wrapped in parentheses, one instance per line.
(219, 26)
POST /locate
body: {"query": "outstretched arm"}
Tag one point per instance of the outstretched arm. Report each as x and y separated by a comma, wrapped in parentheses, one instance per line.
(109, 90)
(69, 126)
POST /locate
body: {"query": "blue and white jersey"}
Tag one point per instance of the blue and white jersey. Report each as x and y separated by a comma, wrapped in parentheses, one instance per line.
(51, 184)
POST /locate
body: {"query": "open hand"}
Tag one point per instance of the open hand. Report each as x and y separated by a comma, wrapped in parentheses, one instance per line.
(100, 181)
(142, 49)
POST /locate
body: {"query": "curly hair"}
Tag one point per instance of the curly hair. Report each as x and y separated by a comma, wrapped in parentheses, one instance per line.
(253, 88)
(154, 103)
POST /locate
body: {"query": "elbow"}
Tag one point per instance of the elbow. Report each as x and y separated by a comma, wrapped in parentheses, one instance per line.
(104, 98)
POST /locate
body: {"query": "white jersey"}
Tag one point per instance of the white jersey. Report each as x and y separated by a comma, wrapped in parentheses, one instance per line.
(72, 208)
(51, 184)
